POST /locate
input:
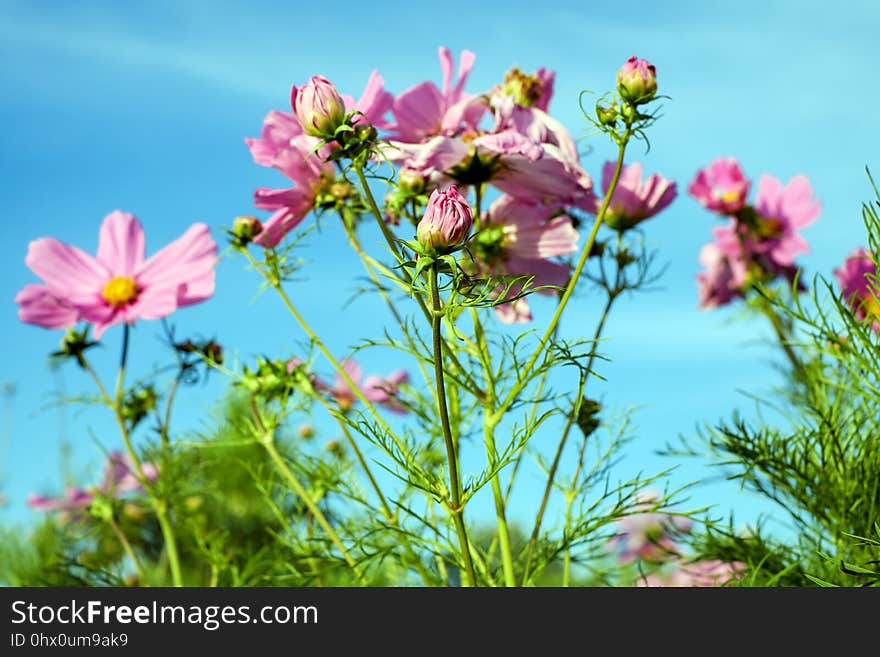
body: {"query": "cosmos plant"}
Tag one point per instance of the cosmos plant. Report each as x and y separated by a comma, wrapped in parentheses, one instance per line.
(492, 229)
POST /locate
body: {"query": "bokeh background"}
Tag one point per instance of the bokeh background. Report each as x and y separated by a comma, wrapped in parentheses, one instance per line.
(144, 106)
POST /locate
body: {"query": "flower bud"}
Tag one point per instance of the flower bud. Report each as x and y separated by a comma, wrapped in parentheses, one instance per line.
(607, 114)
(447, 221)
(244, 230)
(637, 81)
(318, 107)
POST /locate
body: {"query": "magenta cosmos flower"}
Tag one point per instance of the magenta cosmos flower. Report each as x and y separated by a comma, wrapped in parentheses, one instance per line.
(119, 285)
(858, 285)
(721, 187)
(518, 238)
(634, 200)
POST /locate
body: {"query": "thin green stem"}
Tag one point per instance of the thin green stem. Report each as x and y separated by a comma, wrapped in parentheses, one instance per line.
(524, 378)
(455, 504)
(126, 545)
(159, 504)
(395, 250)
(281, 465)
(304, 325)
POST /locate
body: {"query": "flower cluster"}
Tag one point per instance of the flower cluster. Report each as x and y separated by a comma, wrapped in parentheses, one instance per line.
(442, 138)
(761, 241)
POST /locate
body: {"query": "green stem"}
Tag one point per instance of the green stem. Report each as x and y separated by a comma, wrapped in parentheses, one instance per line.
(554, 467)
(126, 545)
(500, 512)
(269, 444)
(159, 504)
(392, 244)
(523, 380)
(337, 366)
(455, 505)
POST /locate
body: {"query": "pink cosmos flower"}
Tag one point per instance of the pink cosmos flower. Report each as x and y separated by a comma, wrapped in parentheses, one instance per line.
(424, 110)
(376, 389)
(708, 573)
(858, 285)
(649, 535)
(120, 284)
(721, 187)
(511, 161)
(724, 277)
(374, 102)
(119, 477)
(782, 211)
(634, 200)
(518, 238)
(37, 305)
(290, 206)
(527, 90)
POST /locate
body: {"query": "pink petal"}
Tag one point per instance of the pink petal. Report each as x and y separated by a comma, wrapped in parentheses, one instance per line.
(37, 305)
(188, 259)
(279, 224)
(70, 273)
(121, 243)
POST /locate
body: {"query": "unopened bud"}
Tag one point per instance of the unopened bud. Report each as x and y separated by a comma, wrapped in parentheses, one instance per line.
(637, 81)
(318, 107)
(447, 221)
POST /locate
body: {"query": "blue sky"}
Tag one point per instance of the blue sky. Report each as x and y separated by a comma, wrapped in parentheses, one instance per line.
(144, 106)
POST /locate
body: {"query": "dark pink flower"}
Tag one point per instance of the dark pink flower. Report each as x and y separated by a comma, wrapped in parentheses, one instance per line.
(721, 187)
(637, 80)
(634, 200)
(120, 284)
(424, 111)
(447, 220)
(318, 107)
(858, 286)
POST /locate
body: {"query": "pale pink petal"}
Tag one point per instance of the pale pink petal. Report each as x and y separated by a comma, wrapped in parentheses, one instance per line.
(121, 243)
(545, 272)
(191, 257)
(553, 238)
(70, 273)
(37, 305)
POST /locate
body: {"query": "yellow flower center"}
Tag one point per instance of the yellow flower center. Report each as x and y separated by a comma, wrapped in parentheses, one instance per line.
(119, 291)
(730, 195)
(871, 304)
